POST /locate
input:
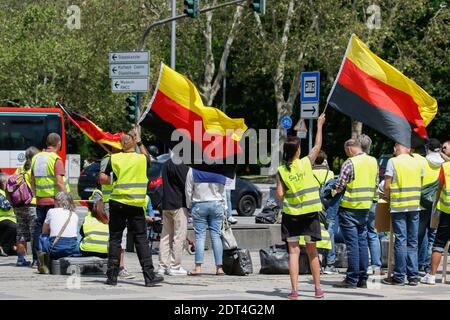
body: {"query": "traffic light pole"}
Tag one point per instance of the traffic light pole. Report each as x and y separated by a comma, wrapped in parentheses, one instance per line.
(164, 21)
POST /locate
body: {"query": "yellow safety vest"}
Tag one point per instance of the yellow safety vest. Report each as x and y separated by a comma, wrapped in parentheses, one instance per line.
(323, 175)
(96, 235)
(106, 188)
(7, 214)
(405, 192)
(131, 172)
(444, 199)
(360, 192)
(302, 194)
(45, 183)
(325, 243)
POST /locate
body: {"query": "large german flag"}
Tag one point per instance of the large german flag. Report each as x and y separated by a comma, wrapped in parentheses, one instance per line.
(94, 132)
(372, 91)
(177, 105)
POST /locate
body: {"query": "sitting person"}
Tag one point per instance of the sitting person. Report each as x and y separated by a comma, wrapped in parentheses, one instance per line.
(62, 223)
(95, 230)
(8, 223)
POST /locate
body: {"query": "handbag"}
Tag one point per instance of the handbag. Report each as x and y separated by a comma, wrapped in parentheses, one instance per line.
(228, 239)
(46, 248)
(237, 262)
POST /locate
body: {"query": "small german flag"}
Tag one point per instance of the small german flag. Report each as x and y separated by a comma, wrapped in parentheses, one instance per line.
(94, 132)
(370, 90)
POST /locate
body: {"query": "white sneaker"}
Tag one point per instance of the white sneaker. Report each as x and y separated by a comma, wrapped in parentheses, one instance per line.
(232, 220)
(161, 271)
(177, 272)
(124, 274)
(370, 270)
(428, 279)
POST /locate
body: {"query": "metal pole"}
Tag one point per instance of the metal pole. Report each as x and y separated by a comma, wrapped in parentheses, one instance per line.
(311, 125)
(224, 94)
(173, 36)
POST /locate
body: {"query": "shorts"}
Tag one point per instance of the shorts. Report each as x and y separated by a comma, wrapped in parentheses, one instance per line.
(26, 219)
(123, 244)
(293, 226)
(297, 239)
(442, 233)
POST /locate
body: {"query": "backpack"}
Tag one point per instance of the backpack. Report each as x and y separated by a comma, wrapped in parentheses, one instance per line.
(18, 191)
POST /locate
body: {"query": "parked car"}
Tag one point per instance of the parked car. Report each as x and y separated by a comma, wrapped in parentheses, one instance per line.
(245, 199)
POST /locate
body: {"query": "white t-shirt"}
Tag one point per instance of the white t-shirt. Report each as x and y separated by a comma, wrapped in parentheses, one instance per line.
(57, 217)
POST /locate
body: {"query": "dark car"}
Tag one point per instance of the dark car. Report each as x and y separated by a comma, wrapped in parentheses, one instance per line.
(245, 198)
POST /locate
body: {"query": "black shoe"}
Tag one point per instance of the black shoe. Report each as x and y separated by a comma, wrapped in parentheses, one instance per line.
(112, 272)
(156, 278)
(392, 282)
(362, 283)
(344, 284)
(413, 282)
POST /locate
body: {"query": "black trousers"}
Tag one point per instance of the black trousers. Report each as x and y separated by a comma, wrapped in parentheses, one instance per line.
(8, 231)
(121, 216)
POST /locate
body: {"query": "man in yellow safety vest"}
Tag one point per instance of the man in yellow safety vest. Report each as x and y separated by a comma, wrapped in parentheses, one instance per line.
(402, 186)
(47, 179)
(129, 179)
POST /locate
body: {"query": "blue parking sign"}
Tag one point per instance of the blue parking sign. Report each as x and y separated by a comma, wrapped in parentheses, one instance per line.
(309, 88)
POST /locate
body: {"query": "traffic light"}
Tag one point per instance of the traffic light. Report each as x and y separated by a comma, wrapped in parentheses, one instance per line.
(192, 9)
(258, 6)
(131, 109)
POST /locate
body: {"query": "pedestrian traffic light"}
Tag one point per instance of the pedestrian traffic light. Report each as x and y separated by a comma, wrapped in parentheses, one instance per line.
(192, 9)
(258, 6)
(131, 109)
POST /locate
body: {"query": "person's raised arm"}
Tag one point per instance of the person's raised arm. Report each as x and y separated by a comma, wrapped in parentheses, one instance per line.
(137, 138)
(318, 143)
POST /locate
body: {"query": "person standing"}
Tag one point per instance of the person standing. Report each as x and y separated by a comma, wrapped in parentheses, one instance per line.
(174, 218)
(47, 179)
(372, 234)
(205, 196)
(441, 203)
(445, 152)
(431, 165)
(129, 179)
(26, 215)
(299, 191)
(8, 221)
(321, 170)
(358, 181)
(402, 186)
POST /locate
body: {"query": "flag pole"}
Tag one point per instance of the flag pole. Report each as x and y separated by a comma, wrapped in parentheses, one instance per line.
(326, 106)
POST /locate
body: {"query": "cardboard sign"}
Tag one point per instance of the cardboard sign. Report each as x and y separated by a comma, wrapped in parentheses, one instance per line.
(383, 217)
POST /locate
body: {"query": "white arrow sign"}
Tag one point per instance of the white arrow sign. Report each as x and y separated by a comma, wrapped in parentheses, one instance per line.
(309, 110)
(130, 85)
(128, 70)
(129, 57)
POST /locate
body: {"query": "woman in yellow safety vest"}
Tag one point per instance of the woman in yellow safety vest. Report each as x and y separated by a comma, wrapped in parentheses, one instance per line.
(299, 191)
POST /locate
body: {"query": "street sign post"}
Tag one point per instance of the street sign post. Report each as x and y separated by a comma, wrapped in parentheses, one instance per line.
(309, 99)
(129, 57)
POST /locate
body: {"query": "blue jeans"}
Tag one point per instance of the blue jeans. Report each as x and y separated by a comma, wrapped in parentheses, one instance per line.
(373, 239)
(353, 224)
(406, 226)
(208, 214)
(426, 237)
(333, 226)
(229, 205)
(65, 247)
(41, 214)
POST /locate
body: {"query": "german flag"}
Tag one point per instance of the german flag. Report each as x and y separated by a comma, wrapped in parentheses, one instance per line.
(94, 132)
(177, 105)
(370, 90)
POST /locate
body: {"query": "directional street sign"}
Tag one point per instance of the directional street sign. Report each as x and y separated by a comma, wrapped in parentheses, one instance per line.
(309, 110)
(128, 70)
(129, 85)
(129, 57)
(309, 89)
